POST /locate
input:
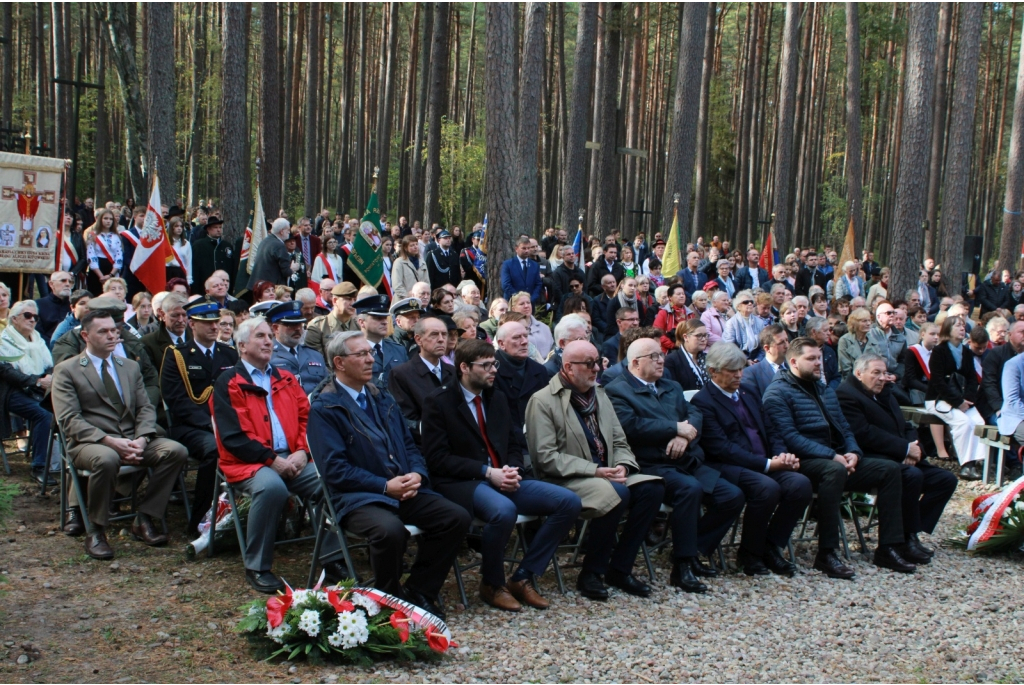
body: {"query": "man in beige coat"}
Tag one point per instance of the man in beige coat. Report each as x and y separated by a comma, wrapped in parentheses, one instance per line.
(577, 442)
(101, 405)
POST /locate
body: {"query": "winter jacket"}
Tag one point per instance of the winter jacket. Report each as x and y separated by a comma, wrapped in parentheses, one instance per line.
(799, 420)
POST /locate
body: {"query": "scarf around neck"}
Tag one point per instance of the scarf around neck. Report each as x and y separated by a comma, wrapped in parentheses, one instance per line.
(585, 405)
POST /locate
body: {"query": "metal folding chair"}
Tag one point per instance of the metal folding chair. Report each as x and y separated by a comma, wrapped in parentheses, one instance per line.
(803, 537)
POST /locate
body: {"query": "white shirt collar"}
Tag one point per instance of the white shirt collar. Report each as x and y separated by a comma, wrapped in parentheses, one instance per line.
(202, 349)
(251, 369)
(434, 368)
(730, 395)
(470, 397)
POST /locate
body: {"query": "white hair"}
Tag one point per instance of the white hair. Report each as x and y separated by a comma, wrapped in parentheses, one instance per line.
(244, 331)
(849, 264)
(21, 306)
(568, 324)
(719, 294)
(280, 225)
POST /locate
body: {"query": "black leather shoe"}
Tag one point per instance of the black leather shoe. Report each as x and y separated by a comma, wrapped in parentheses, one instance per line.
(264, 581)
(886, 556)
(40, 474)
(912, 552)
(73, 525)
(971, 471)
(423, 602)
(777, 563)
(921, 548)
(96, 545)
(628, 583)
(591, 586)
(751, 565)
(702, 570)
(829, 563)
(336, 571)
(682, 577)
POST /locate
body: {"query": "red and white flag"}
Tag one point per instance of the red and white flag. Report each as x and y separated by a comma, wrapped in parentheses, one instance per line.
(153, 251)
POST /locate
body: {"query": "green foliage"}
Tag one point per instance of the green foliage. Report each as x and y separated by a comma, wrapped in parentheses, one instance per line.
(834, 206)
(8, 491)
(462, 172)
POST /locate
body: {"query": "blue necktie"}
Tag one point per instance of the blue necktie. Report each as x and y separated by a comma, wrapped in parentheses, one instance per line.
(361, 401)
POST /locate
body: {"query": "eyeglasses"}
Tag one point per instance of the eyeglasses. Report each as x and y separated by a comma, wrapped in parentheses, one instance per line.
(486, 366)
(29, 316)
(363, 353)
(699, 336)
(653, 356)
(747, 302)
(589, 363)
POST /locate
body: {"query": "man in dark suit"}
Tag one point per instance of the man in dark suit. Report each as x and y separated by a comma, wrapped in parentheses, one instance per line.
(213, 253)
(663, 432)
(411, 382)
(603, 267)
(992, 293)
(129, 241)
(625, 318)
(443, 263)
(521, 274)
(476, 451)
(752, 275)
(189, 371)
(273, 260)
(172, 330)
(879, 427)
(751, 455)
(810, 275)
(870, 266)
(774, 342)
(519, 377)
(692, 277)
(307, 244)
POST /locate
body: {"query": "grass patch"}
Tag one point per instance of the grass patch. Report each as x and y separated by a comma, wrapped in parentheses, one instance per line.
(8, 491)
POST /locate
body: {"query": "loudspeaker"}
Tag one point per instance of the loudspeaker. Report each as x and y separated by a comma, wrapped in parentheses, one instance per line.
(972, 254)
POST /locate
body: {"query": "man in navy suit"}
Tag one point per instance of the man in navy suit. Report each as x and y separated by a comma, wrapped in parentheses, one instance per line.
(603, 267)
(752, 275)
(774, 342)
(740, 444)
(522, 274)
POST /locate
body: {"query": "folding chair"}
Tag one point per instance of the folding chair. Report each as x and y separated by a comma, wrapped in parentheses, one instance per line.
(191, 464)
(803, 537)
(3, 456)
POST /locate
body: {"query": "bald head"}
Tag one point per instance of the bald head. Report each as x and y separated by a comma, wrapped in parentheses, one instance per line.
(646, 360)
(580, 362)
(1015, 338)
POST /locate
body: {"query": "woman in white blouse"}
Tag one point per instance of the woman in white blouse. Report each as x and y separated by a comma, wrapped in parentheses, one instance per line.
(180, 265)
(103, 250)
(328, 264)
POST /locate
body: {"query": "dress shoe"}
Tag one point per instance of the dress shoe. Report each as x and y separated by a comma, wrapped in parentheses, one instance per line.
(886, 556)
(914, 539)
(751, 565)
(591, 586)
(971, 471)
(336, 571)
(423, 602)
(777, 563)
(525, 591)
(913, 552)
(41, 473)
(628, 583)
(702, 570)
(142, 529)
(682, 577)
(96, 545)
(73, 525)
(499, 597)
(828, 562)
(264, 581)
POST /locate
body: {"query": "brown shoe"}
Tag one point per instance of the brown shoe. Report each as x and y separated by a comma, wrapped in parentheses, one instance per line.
(527, 594)
(143, 530)
(499, 597)
(73, 525)
(96, 545)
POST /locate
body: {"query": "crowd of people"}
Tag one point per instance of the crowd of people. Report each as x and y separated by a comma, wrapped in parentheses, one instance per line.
(598, 390)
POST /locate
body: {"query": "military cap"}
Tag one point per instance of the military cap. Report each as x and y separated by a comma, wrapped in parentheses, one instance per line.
(374, 305)
(261, 308)
(286, 312)
(409, 304)
(344, 289)
(203, 309)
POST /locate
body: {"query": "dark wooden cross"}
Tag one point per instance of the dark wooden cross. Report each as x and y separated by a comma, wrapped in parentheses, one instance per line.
(79, 86)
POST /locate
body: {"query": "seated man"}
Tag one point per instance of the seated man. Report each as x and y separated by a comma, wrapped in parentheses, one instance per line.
(187, 383)
(751, 455)
(377, 478)
(879, 427)
(305, 363)
(260, 414)
(1010, 419)
(372, 315)
(808, 417)
(406, 313)
(570, 327)
(663, 431)
(774, 342)
(172, 330)
(577, 442)
(519, 377)
(411, 382)
(342, 318)
(476, 452)
(108, 421)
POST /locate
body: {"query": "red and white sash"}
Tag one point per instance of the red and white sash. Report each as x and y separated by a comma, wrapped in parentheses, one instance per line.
(130, 237)
(919, 352)
(105, 251)
(327, 266)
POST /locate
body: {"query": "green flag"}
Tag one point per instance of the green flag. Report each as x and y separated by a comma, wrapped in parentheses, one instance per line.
(366, 258)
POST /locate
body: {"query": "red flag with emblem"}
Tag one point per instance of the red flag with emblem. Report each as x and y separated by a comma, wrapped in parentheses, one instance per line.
(154, 251)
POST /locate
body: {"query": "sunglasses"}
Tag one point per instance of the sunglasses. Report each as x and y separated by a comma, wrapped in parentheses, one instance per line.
(29, 316)
(590, 363)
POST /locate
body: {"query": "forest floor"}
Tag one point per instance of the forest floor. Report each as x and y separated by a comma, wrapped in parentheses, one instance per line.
(154, 616)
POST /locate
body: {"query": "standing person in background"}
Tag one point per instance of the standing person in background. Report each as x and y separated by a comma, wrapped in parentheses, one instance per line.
(180, 265)
(104, 250)
(408, 269)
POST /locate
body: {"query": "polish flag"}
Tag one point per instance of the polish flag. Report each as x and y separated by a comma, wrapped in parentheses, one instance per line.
(154, 251)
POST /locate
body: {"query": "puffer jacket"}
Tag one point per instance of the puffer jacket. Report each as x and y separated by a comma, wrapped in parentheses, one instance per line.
(799, 420)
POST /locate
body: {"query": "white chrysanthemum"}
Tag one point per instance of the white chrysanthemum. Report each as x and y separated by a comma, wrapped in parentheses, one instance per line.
(352, 629)
(254, 610)
(280, 633)
(309, 622)
(299, 597)
(335, 640)
(371, 607)
(1019, 506)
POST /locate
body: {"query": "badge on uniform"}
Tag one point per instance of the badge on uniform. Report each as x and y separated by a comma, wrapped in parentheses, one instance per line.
(195, 368)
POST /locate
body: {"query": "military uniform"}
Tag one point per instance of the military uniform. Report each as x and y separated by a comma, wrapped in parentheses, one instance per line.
(213, 254)
(322, 328)
(402, 337)
(386, 353)
(303, 362)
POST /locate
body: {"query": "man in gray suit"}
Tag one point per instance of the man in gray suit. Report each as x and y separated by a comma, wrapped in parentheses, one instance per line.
(273, 260)
(775, 342)
(101, 405)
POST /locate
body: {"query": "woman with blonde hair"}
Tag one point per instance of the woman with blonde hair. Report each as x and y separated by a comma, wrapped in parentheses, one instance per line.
(853, 343)
(540, 334)
(498, 308)
(408, 269)
(5, 305)
(103, 250)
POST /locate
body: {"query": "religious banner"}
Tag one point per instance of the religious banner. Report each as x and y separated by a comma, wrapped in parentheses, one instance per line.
(29, 212)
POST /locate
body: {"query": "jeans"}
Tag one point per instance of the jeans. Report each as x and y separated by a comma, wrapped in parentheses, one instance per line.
(21, 404)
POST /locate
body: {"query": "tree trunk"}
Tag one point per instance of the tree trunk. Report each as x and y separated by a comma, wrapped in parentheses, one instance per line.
(683, 145)
(234, 184)
(700, 202)
(270, 111)
(62, 70)
(784, 168)
(574, 176)
(499, 189)
(605, 219)
(389, 106)
(950, 243)
(7, 89)
(195, 145)
(938, 126)
(854, 142)
(437, 105)
(416, 175)
(1013, 204)
(531, 80)
(742, 188)
(911, 184)
(163, 154)
(312, 79)
(99, 168)
(123, 50)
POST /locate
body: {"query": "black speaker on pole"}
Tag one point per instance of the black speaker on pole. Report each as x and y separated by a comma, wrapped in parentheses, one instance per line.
(972, 254)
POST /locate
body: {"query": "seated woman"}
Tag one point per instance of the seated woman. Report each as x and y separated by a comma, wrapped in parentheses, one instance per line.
(685, 364)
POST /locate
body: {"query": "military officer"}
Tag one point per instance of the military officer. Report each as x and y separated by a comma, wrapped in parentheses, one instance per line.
(372, 315)
(189, 371)
(213, 253)
(305, 363)
(341, 318)
(406, 313)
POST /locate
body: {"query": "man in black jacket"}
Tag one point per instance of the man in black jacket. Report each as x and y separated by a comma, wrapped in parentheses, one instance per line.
(56, 306)
(411, 382)
(879, 426)
(810, 275)
(443, 263)
(566, 271)
(212, 253)
(476, 455)
(603, 267)
(518, 376)
(991, 294)
(993, 363)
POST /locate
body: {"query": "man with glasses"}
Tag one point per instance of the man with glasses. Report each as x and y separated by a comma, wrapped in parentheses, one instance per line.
(477, 457)
(890, 344)
(172, 330)
(571, 327)
(411, 382)
(664, 432)
(54, 308)
(576, 441)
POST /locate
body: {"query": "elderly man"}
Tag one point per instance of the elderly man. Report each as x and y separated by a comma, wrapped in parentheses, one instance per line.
(663, 431)
(56, 306)
(602, 304)
(101, 405)
(477, 456)
(751, 455)
(260, 413)
(372, 315)
(172, 331)
(879, 427)
(273, 260)
(995, 362)
(692, 277)
(890, 344)
(342, 318)
(576, 441)
(212, 253)
(1010, 418)
(216, 288)
(411, 382)
(808, 417)
(378, 480)
(571, 327)
(518, 377)
(421, 291)
(301, 361)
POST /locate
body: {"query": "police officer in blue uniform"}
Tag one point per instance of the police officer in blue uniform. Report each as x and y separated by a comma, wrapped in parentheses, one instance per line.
(305, 363)
(189, 371)
(372, 316)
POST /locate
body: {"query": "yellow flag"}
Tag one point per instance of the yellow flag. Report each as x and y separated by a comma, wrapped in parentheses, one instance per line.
(672, 260)
(848, 254)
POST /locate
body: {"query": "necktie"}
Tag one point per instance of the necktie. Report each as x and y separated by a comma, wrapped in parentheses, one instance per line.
(735, 398)
(294, 351)
(361, 401)
(479, 404)
(437, 372)
(209, 355)
(305, 249)
(524, 268)
(108, 384)
(378, 352)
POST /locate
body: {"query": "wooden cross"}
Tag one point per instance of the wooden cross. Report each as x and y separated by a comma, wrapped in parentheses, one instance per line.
(79, 85)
